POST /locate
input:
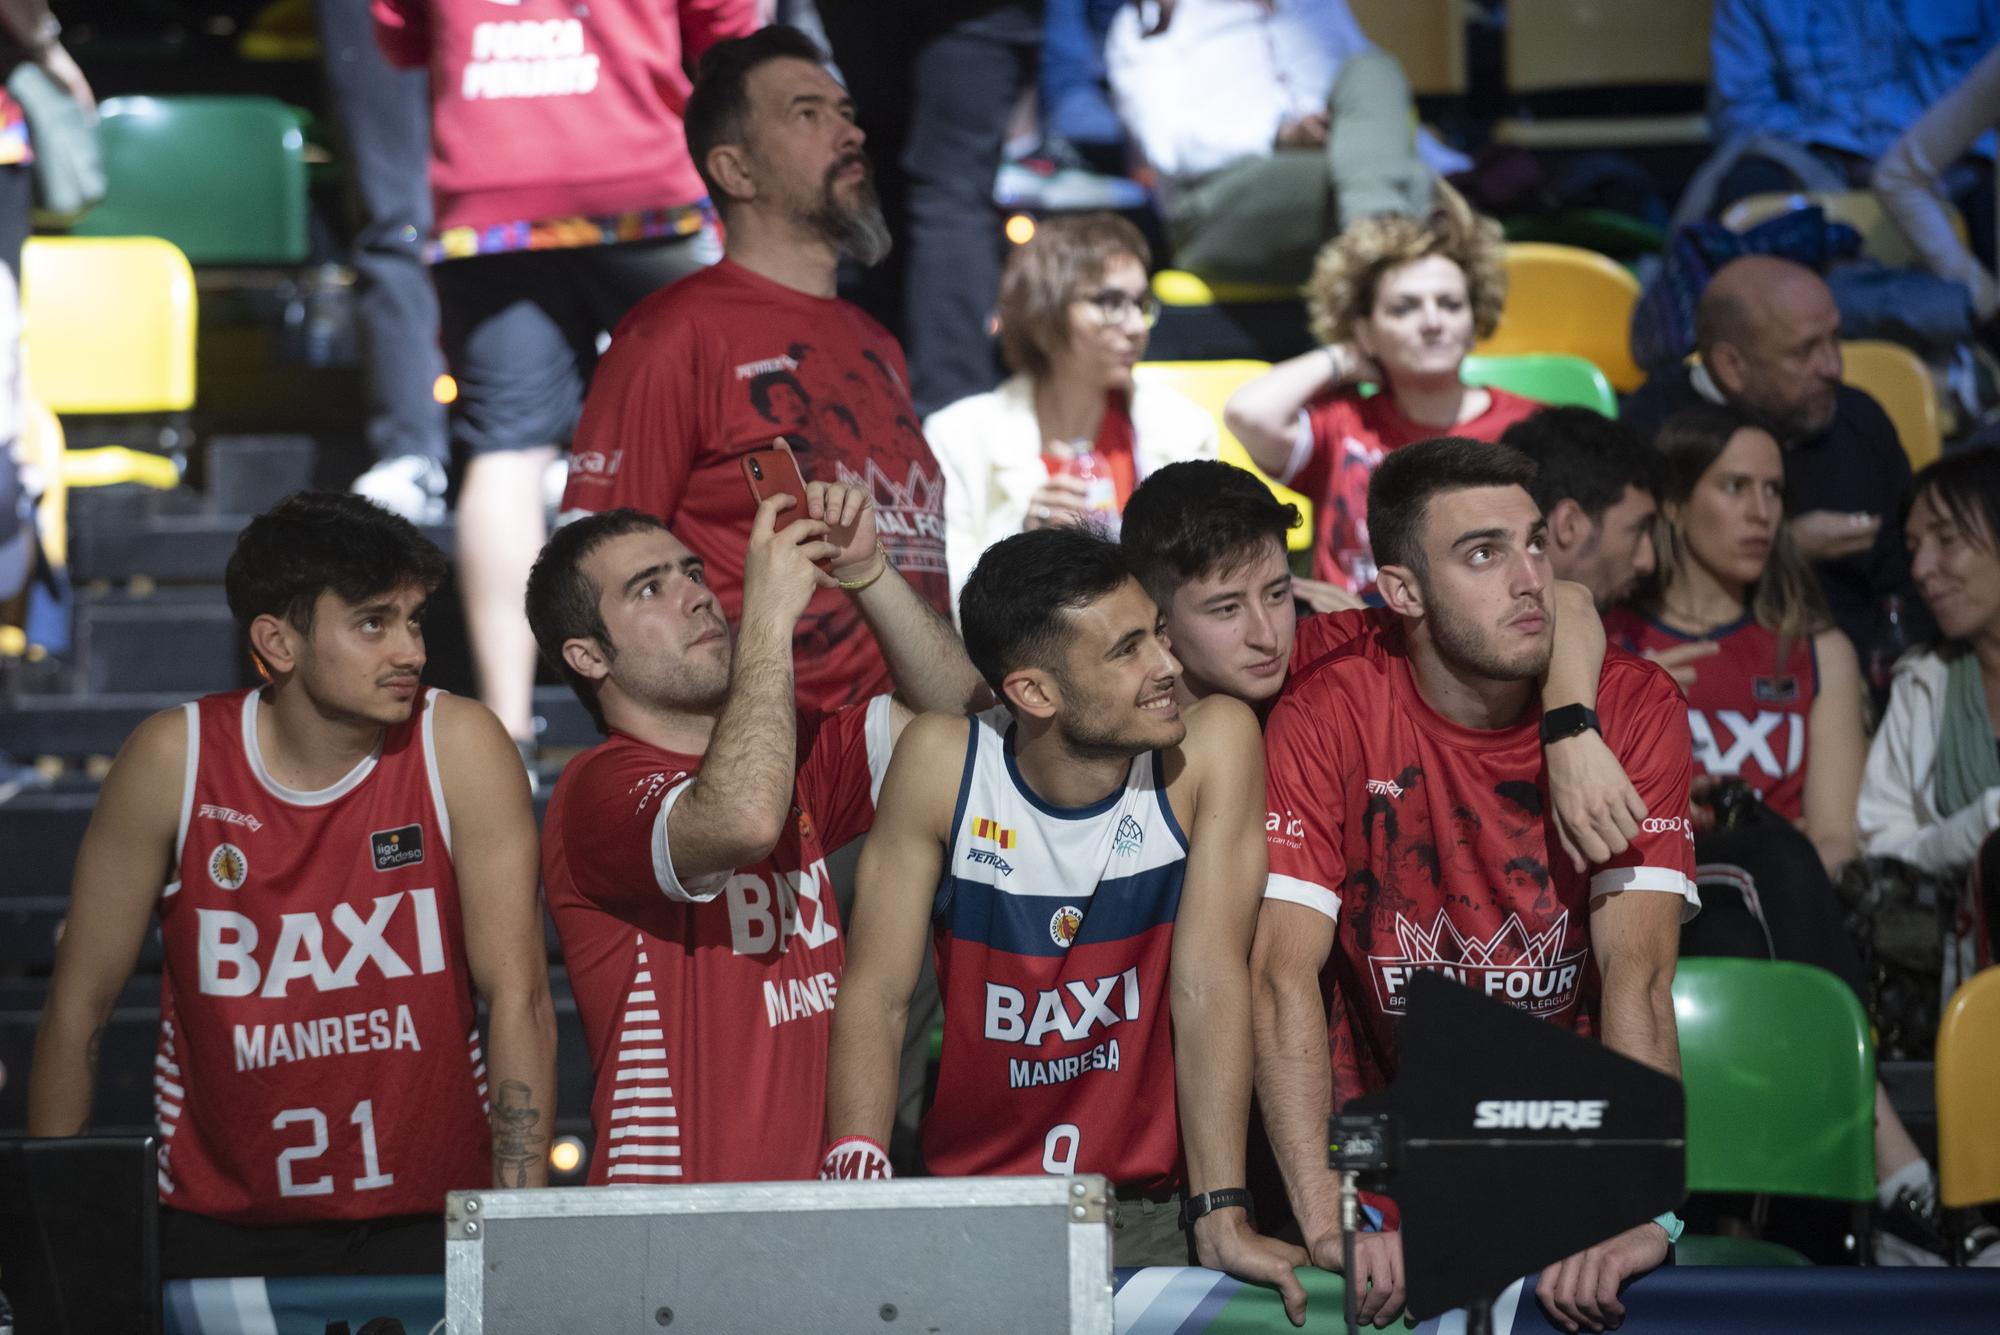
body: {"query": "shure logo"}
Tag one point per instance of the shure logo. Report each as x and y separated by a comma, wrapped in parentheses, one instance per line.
(1539, 1114)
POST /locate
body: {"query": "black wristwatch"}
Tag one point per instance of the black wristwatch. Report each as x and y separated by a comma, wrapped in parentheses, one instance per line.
(1559, 724)
(1211, 1201)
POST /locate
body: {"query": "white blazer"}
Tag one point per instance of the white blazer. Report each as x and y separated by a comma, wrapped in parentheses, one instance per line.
(1898, 815)
(989, 447)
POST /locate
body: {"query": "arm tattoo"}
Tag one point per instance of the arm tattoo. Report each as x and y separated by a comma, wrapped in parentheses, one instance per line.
(516, 1143)
(90, 1053)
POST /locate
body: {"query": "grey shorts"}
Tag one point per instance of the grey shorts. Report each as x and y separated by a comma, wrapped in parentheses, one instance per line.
(521, 330)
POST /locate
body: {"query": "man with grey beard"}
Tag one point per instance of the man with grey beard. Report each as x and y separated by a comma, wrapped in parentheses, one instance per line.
(759, 346)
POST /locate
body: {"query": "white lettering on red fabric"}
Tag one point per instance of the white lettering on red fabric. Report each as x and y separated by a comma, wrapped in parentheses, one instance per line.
(788, 999)
(1528, 970)
(230, 966)
(380, 1030)
(528, 58)
(1008, 1019)
(757, 925)
(1059, 1070)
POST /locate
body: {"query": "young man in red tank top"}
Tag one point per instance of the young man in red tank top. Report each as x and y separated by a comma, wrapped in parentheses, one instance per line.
(340, 860)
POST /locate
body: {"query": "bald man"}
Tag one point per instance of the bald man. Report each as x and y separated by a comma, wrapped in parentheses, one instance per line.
(1767, 337)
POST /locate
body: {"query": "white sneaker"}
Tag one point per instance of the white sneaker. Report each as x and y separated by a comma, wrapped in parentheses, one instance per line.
(408, 485)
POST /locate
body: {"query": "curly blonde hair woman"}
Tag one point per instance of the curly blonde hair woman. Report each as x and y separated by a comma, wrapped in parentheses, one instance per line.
(1397, 303)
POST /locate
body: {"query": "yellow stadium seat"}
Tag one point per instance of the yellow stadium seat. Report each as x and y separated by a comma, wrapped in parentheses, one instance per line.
(1567, 299)
(1899, 381)
(1968, 1094)
(1178, 287)
(1881, 238)
(1427, 38)
(42, 451)
(108, 324)
(1210, 384)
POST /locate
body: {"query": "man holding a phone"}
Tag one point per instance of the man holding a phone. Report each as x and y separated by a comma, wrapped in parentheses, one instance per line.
(685, 858)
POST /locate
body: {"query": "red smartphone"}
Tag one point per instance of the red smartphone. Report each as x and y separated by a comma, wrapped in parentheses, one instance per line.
(775, 472)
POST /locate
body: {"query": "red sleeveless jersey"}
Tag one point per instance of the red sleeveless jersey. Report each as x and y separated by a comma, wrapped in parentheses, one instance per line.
(318, 1054)
(1054, 935)
(1747, 710)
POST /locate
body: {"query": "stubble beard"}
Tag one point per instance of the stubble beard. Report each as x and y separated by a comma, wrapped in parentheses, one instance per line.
(1459, 643)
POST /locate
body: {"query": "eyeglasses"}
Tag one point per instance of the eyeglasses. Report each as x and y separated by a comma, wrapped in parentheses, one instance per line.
(1114, 305)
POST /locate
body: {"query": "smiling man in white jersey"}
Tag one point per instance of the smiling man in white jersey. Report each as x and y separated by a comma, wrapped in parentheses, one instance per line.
(1088, 858)
(340, 861)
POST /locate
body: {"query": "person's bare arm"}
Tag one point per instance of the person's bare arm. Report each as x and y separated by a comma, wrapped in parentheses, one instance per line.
(925, 657)
(1596, 807)
(1839, 749)
(1264, 414)
(734, 810)
(1295, 1088)
(895, 887)
(35, 29)
(126, 859)
(494, 854)
(1210, 971)
(1294, 1066)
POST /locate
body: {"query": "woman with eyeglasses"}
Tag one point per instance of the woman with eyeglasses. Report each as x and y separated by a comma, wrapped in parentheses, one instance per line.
(1070, 434)
(1398, 303)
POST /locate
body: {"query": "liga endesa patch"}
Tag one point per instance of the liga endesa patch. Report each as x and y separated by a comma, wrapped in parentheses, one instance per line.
(403, 847)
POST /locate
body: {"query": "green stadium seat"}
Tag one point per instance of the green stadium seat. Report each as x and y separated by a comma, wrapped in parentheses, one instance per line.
(223, 178)
(1546, 377)
(1780, 1078)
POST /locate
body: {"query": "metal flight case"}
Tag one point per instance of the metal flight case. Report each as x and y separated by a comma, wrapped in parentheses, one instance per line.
(927, 1256)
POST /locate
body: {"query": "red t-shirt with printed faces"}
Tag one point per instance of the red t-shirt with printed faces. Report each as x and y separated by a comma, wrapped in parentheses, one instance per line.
(1350, 436)
(1321, 633)
(707, 1007)
(1748, 709)
(1429, 843)
(713, 367)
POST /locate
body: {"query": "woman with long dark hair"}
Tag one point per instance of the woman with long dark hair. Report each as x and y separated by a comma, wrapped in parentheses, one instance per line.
(1777, 716)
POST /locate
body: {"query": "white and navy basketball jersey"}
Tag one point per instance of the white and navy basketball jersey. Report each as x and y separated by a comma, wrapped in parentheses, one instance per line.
(1054, 931)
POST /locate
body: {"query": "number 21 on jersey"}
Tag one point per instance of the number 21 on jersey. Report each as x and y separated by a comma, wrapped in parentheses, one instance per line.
(363, 1117)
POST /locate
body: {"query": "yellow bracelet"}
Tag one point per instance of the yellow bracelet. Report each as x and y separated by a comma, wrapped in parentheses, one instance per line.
(857, 585)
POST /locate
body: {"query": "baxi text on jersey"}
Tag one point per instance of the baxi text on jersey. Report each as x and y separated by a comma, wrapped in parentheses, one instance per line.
(232, 965)
(1026, 1073)
(378, 1030)
(1072, 1012)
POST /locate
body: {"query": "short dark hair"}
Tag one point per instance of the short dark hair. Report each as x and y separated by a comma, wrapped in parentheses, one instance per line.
(718, 109)
(1400, 491)
(1012, 605)
(1964, 488)
(1583, 456)
(315, 542)
(563, 602)
(1199, 518)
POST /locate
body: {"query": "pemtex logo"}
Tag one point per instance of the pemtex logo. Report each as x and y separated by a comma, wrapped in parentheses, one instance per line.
(1539, 1114)
(1528, 970)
